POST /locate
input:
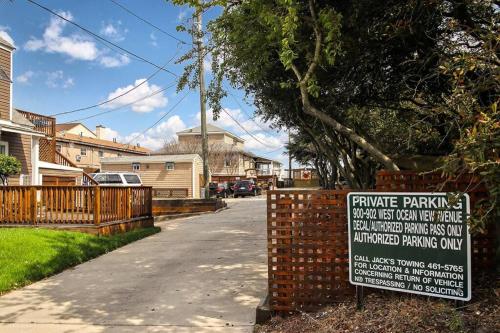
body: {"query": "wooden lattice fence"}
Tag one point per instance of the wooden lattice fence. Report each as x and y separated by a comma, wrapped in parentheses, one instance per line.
(307, 249)
(308, 262)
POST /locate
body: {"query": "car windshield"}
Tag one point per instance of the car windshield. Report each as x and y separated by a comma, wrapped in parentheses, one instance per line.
(132, 179)
(242, 184)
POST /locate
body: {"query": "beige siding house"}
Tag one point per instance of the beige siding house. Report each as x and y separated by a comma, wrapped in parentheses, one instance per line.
(85, 148)
(165, 173)
(228, 161)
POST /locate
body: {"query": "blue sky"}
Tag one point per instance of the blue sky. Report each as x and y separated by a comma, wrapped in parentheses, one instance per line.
(58, 68)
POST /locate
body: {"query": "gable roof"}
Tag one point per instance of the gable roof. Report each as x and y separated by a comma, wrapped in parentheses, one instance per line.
(101, 143)
(211, 129)
(151, 159)
(69, 126)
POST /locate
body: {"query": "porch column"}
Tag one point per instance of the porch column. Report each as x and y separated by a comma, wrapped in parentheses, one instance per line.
(35, 160)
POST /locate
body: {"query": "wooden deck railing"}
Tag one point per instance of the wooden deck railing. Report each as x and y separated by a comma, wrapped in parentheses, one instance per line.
(44, 124)
(62, 160)
(34, 205)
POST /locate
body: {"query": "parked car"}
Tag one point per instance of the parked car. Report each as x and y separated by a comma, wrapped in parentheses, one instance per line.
(244, 188)
(223, 191)
(117, 178)
(212, 189)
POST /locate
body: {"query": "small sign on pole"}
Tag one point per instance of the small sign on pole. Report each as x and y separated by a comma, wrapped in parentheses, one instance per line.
(411, 242)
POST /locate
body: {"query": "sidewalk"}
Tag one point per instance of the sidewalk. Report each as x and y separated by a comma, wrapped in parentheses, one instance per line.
(200, 274)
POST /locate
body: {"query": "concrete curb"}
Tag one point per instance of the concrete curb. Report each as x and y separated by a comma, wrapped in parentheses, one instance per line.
(163, 218)
(263, 311)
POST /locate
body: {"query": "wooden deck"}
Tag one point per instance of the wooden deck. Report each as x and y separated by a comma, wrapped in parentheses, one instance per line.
(93, 209)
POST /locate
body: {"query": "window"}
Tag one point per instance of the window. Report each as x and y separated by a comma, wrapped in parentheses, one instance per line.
(78, 158)
(58, 148)
(100, 153)
(136, 166)
(113, 179)
(4, 147)
(83, 151)
(119, 154)
(227, 162)
(100, 178)
(169, 166)
(132, 179)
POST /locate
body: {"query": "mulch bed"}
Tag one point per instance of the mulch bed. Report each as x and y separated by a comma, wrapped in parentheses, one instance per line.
(387, 312)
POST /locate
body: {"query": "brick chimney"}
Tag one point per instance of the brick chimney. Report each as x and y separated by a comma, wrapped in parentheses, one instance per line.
(99, 131)
(6, 51)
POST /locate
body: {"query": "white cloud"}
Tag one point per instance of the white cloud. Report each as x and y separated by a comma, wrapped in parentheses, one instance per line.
(226, 121)
(114, 32)
(76, 46)
(118, 61)
(146, 105)
(5, 35)
(182, 15)
(154, 39)
(262, 141)
(153, 139)
(25, 78)
(57, 79)
(109, 134)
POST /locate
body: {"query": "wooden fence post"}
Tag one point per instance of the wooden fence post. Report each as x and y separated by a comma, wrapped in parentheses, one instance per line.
(97, 205)
(129, 203)
(33, 205)
(150, 202)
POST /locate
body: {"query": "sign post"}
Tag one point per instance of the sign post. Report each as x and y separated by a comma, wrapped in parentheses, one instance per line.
(410, 242)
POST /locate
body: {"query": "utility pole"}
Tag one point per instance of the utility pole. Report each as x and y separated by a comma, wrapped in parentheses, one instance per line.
(203, 110)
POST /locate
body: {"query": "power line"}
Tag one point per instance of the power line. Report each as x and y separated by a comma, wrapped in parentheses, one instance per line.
(93, 34)
(244, 111)
(161, 118)
(148, 22)
(116, 97)
(243, 128)
(123, 106)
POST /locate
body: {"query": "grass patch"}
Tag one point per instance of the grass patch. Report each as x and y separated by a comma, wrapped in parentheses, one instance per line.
(29, 255)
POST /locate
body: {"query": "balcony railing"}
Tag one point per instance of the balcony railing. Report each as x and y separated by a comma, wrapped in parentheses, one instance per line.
(46, 125)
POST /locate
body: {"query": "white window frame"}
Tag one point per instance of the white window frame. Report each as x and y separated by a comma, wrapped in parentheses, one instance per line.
(6, 145)
(83, 151)
(100, 153)
(170, 166)
(136, 166)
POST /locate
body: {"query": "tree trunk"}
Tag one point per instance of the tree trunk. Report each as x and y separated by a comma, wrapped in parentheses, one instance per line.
(360, 141)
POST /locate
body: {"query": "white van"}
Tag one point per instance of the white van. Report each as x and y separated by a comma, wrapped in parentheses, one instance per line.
(117, 178)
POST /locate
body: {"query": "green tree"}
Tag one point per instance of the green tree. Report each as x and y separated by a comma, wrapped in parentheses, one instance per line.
(9, 166)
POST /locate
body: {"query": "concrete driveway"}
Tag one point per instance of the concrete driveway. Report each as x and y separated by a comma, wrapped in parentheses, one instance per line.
(200, 274)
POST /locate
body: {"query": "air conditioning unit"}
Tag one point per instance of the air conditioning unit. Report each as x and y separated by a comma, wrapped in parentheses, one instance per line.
(78, 158)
